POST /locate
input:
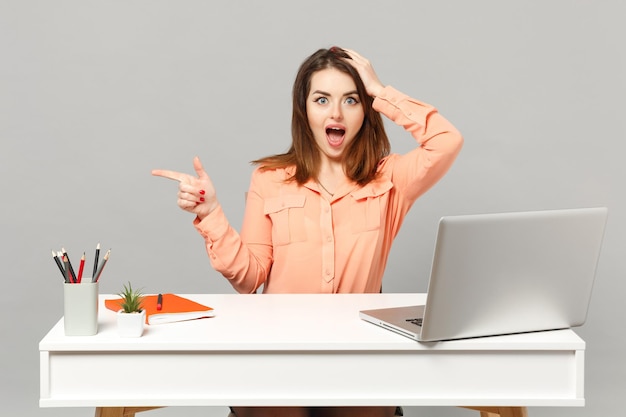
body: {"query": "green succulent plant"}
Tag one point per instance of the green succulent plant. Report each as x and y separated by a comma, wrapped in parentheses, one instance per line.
(131, 299)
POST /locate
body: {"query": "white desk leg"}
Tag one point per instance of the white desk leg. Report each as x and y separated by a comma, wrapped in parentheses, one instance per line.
(120, 411)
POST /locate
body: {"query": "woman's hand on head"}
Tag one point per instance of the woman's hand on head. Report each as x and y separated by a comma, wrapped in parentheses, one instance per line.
(373, 86)
(196, 194)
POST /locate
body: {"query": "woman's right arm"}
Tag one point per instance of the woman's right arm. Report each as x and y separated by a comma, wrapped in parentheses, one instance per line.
(245, 265)
(244, 259)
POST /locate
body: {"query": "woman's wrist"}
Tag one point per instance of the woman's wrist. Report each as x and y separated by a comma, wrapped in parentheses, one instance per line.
(204, 209)
(376, 90)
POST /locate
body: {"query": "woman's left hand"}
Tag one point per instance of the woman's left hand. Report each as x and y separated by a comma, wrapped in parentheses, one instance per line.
(373, 86)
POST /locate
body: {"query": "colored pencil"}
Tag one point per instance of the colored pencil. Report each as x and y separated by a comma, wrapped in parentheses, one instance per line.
(80, 268)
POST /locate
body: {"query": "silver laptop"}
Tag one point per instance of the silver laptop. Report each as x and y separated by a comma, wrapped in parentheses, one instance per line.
(504, 273)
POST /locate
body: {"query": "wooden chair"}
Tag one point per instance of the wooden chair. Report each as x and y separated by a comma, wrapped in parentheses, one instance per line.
(484, 411)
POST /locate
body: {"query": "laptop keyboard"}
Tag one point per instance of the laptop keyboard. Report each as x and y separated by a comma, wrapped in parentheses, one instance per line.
(416, 321)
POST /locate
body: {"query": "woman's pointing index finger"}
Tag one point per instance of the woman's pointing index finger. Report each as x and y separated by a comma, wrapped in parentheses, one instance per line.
(172, 175)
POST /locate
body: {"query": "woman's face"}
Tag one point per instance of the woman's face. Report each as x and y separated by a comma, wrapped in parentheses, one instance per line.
(334, 111)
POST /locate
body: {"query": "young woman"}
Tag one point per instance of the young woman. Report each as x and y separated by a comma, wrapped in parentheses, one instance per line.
(321, 217)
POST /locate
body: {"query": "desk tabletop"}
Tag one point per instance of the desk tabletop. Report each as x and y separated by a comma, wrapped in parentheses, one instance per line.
(304, 350)
(287, 322)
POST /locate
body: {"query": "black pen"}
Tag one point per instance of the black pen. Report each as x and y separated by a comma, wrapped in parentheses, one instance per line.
(95, 261)
(159, 302)
(101, 267)
(67, 269)
(72, 274)
(59, 264)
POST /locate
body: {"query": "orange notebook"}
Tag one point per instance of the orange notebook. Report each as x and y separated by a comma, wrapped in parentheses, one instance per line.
(173, 308)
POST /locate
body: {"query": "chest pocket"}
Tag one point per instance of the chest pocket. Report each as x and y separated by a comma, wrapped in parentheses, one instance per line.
(287, 214)
(367, 205)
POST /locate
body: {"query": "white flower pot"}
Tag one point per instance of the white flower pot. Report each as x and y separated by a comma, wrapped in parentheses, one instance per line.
(130, 324)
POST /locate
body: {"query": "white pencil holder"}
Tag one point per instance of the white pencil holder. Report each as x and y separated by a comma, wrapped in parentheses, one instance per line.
(80, 308)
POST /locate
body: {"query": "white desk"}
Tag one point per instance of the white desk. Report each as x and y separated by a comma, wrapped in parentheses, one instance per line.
(263, 350)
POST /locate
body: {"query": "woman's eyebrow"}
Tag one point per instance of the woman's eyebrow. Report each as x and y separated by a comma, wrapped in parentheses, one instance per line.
(324, 93)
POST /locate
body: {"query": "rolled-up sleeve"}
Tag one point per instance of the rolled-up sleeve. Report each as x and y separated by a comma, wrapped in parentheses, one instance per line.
(246, 261)
(439, 143)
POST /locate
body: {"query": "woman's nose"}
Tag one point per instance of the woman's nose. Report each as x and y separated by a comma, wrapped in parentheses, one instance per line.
(336, 113)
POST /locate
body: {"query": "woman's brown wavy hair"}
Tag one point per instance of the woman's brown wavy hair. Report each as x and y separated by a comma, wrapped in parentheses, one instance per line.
(361, 156)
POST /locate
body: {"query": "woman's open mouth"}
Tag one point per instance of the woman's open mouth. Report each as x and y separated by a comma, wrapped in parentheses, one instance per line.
(335, 136)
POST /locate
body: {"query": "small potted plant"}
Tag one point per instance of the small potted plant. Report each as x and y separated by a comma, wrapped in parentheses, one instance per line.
(131, 317)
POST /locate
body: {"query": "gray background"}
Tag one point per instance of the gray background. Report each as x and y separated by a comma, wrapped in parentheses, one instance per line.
(94, 94)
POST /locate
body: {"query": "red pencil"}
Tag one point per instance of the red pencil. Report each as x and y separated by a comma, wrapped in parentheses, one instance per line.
(80, 268)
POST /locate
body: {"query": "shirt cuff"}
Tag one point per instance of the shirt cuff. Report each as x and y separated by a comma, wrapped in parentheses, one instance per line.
(397, 106)
(213, 226)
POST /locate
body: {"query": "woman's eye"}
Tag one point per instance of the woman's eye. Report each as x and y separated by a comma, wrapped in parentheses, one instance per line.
(352, 100)
(321, 100)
